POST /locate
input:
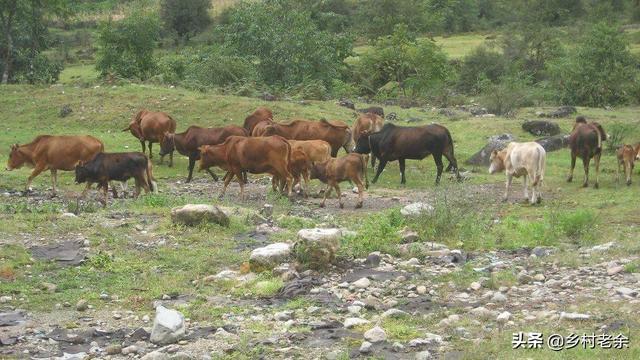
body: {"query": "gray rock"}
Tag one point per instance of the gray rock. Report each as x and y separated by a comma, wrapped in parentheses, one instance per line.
(375, 335)
(542, 251)
(82, 305)
(612, 270)
(503, 317)
(365, 347)
(498, 297)
(194, 214)
(541, 128)
(131, 349)
(317, 248)
(562, 111)
(362, 283)
(353, 322)
(113, 349)
(409, 236)
(417, 209)
(395, 314)
(373, 259)
(603, 247)
(497, 142)
(625, 291)
(574, 316)
(554, 143)
(283, 315)
(65, 110)
(270, 256)
(524, 279)
(423, 355)
(168, 326)
(155, 355)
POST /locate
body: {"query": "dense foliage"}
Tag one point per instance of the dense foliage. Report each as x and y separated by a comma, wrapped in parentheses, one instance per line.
(185, 17)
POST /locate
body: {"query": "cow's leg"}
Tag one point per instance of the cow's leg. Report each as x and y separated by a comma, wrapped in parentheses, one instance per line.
(171, 159)
(585, 164)
(618, 171)
(54, 181)
(144, 148)
(439, 166)
(192, 164)
(573, 165)
(340, 201)
(305, 190)
(213, 175)
(105, 191)
(35, 172)
(327, 191)
(453, 165)
(275, 183)
(241, 182)
(596, 158)
(334, 152)
(360, 186)
(136, 192)
(402, 178)
(227, 179)
(381, 166)
(628, 169)
(373, 161)
(508, 185)
(526, 187)
(86, 189)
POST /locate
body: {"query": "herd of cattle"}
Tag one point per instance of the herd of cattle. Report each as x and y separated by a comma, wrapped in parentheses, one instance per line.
(294, 152)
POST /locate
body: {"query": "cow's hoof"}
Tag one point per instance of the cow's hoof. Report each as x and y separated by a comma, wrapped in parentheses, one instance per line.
(321, 205)
(539, 200)
(570, 179)
(341, 206)
(628, 183)
(596, 186)
(586, 185)
(359, 206)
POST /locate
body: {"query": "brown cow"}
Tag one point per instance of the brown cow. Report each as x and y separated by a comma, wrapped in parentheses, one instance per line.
(626, 156)
(261, 114)
(299, 167)
(314, 151)
(351, 167)
(151, 126)
(366, 124)
(261, 128)
(336, 133)
(585, 142)
(188, 142)
(47, 152)
(256, 155)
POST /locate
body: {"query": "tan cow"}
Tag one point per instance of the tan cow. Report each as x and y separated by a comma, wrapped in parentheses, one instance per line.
(47, 152)
(521, 159)
(150, 126)
(333, 171)
(316, 150)
(626, 156)
(364, 125)
(336, 133)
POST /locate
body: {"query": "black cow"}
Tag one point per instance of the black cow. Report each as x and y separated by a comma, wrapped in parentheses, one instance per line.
(414, 143)
(106, 167)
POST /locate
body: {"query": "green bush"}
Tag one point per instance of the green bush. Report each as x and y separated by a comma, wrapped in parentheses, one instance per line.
(601, 71)
(185, 17)
(507, 96)
(577, 225)
(126, 46)
(479, 68)
(286, 46)
(378, 232)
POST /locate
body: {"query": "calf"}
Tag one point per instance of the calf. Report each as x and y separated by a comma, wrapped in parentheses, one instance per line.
(106, 167)
(351, 167)
(626, 156)
(256, 155)
(299, 167)
(521, 159)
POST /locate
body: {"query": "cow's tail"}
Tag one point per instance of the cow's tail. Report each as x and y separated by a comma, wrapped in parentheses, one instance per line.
(599, 137)
(363, 162)
(449, 153)
(150, 180)
(537, 180)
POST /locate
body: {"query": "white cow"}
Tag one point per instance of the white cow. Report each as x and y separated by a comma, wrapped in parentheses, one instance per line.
(521, 159)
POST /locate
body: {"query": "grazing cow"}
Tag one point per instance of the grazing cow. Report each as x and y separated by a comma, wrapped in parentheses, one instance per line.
(626, 156)
(373, 110)
(351, 167)
(336, 133)
(414, 143)
(261, 114)
(521, 159)
(47, 152)
(105, 167)
(188, 142)
(151, 126)
(585, 142)
(366, 124)
(256, 155)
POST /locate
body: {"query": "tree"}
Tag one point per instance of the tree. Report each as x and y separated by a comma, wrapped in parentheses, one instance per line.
(185, 17)
(601, 71)
(24, 36)
(126, 46)
(286, 45)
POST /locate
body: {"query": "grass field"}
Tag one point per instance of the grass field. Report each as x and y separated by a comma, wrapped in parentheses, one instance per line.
(129, 261)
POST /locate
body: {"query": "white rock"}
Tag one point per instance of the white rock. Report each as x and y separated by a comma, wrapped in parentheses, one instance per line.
(193, 214)
(417, 209)
(423, 355)
(354, 309)
(394, 313)
(603, 247)
(475, 286)
(283, 315)
(320, 234)
(270, 256)
(614, 270)
(362, 283)
(421, 289)
(504, 317)
(168, 326)
(625, 291)
(365, 347)
(155, 355)
(353, 322)
(498, 297)
(574, 316)
(375, 335)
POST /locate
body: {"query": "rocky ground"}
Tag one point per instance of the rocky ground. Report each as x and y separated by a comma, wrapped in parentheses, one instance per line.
(428, 301)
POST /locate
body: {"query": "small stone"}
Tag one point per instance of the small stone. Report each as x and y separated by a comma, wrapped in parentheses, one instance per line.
(498, 297)
(168, 326)
(270, 256)
(524, 279)
(417, 209)
(82, 305)
(375, 335)
(133, 349)
(574, 316)
(157, 355)
(539, 277)
(475, 286)
(409, 236)
(614, 270)
(421, 289)
(363, 283)
(353, 322)
(193, 214)
(117, 316)
(49, 287)
(373, 260)
(113, 349)
(105, 297)
(423, 355)
(411, 262)
(625, 291)
(503, 317)
(354, 309)
(397, 347)
(5, 299)
(394, 313)
(283, 315)
(365, 347)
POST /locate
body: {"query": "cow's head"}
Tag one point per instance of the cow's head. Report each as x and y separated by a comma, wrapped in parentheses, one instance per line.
(212, 155)
(318, 170)
(16, 158)
(167, 143)
(362, 145)
(636, 148)
(269, 130)
(82, 173)
(497, 161)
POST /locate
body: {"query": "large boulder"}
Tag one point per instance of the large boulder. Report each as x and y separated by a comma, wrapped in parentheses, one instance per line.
(270, 256)
(497, 142)
(316, 248)
(417, 209)
(194, 214)
(168, 326)
(541, 128)
(553, 143)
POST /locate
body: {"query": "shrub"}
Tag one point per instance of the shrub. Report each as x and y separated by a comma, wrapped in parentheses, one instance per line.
(126, 46)
(577, 225)
(600, 72)
(378, 232)
(479, 68)
(185, 17)
(507, 96)
(616, 134)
